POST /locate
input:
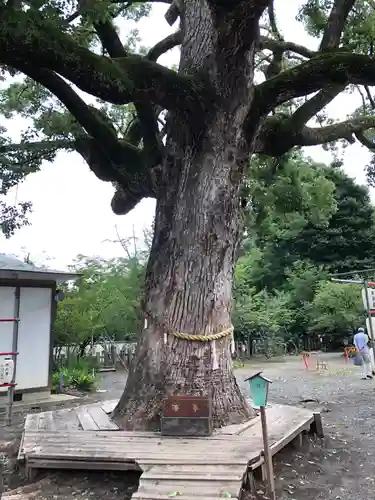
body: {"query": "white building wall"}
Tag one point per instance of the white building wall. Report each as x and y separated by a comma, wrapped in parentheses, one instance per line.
(33, 334)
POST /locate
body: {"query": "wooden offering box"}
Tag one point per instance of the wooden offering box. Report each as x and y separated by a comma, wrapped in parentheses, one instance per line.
(187, 416)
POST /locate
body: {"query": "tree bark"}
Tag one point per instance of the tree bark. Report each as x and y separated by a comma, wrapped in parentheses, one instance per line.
(188, 285)
(197, 230)
(188, 289)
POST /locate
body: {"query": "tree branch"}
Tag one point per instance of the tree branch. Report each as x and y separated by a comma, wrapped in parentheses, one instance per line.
(39, 145)
(272, 19)
(110, 39)
(163, 46)
(270, 44)
(276, 137)
(335, 24)
(339, 68)
(137, 129)
(172, 13)
(28, 37)
(78, 12)
(86, 116)
(360, 135)
(310, 108)
(330, 41)
(110, 159)
(344, 130)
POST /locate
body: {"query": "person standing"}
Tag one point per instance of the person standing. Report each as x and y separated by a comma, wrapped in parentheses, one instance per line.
(361, 343)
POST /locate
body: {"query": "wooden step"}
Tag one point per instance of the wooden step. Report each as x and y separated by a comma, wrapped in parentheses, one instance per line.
(146, 462)
(198, 488)
(20, 496)
(197, 470)
(190, 476)
(162, 496)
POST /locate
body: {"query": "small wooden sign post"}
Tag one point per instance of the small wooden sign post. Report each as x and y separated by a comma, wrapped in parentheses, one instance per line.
(259, 386)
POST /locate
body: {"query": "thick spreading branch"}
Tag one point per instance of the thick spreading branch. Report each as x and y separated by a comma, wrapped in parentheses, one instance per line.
(335, 24)
(272, 19)
(277, 137)
(26, 36)
(331, 133)
(163, 46)
(110, 39)
(137, 129)
(365, 141)
(111, 159)
(274, 45)
(339, 68)
(86, 116)
(331, 40)
(38, 146)
(310, 108)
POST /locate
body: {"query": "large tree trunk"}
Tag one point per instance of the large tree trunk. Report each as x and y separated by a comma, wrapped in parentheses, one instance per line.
(197, 229)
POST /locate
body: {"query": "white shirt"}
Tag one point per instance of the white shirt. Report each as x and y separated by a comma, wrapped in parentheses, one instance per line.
(360, 341)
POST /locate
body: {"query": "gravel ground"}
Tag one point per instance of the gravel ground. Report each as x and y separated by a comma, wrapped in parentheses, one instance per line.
(339, 467)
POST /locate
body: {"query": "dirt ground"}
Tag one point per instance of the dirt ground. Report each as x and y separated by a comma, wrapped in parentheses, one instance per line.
(339, 467)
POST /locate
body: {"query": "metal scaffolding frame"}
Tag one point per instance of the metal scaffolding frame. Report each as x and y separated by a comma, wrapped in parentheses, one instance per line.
(13, 353)
(366, 284)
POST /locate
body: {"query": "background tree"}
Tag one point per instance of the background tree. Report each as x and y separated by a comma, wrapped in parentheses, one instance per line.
(194, 164)
(302, 224)
(104, 302)
(337, 308)
(347, 242)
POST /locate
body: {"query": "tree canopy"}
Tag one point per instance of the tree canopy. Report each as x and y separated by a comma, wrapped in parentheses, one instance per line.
(281, 290)
(104, 302)
(49, 49)
(297, 236)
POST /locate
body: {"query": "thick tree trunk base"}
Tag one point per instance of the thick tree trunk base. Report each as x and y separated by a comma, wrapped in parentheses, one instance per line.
(179, 367)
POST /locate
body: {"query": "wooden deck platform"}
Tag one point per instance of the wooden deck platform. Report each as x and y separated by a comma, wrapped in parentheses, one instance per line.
(211, 468)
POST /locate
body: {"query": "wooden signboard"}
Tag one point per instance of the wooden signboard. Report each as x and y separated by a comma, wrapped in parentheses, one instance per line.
(187, 416)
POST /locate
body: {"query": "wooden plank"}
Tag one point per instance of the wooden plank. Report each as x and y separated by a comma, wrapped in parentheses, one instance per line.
(82, 464)
(201, 470)
(45, 420)
(182, 476)
(101, 451)
(318, 425)
(130, 436)
(32, 421)
(20, 454)
(162, 496)
(101, 418)
(20, 496)
(86, 420)
(65, 420)
(283, 441)
(200, 488)
(109, 405)
(186, 426)
(236, 429)
(120, 440)
(143, 459)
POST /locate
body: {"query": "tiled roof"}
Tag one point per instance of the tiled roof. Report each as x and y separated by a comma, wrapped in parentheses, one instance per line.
(11, 263)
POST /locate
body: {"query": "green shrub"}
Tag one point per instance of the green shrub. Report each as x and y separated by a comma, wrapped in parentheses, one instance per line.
(78, 376)
(84, 381)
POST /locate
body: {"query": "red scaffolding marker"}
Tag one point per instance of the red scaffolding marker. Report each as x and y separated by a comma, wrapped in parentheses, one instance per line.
(11, 364)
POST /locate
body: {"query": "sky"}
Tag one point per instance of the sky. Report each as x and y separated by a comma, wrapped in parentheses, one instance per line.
(71, 207)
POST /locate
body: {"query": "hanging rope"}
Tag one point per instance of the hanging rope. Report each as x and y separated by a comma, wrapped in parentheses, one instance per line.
(202, 338)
